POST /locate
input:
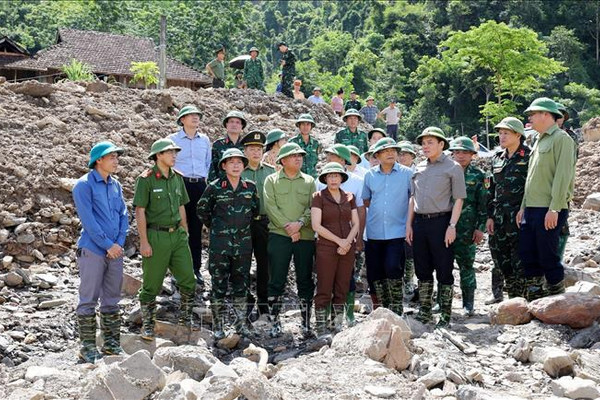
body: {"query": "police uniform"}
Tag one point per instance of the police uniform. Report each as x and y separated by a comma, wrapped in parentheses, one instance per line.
(228, 212)
(259, 226)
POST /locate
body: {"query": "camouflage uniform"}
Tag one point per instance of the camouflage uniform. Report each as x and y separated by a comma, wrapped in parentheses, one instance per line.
(218, 148)
(312, 149)
(253, 74)
(228, 213)
(288, 73)
(506, 193)
(358, 139)
(472, 217)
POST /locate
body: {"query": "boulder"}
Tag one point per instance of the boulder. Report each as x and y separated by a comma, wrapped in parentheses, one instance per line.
(578, 310)
(587, 365)
(13, 279)
(220, 369)
(511, 312)
(557, 363)
(193, 360)
(521, 350)
(586, 337)
(255, 386)
(591, 130)
(220, 388)
(179, 334)
(132, 343)
(26, 394)
(97, 87)
(574, 388)
(592, 202)
(32, 88)
(432, 378)
(584, 287)
(131, 285)
(398, 356)
(34, 373)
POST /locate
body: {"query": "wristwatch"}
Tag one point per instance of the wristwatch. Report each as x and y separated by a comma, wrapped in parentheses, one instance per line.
(554, 211)
(451, 225)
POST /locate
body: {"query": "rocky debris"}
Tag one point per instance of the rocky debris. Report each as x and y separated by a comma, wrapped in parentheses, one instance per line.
(513, 312)
(32, 88)
(195, 361)
(591, 130)
(557, 363)
(574, 388)
(592, 202)
(587, 170)
(131, 285)
(584, 287)
(578, 310)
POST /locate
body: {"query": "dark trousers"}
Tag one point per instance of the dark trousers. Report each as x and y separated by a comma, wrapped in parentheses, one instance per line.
(392, 131)
(429, 250)
(280, 250)
(260, 239)
(194, 191)
(538, 247)
(333, 275)
(218, 83)
(385, 259)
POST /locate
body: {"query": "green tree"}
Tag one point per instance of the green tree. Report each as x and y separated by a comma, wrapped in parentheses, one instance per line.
(584, 101)
(145, 71)
(330, 48)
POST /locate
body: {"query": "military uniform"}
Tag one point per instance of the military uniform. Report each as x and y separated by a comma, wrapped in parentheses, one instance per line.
(288, 73)
(312, 149)
(472, 217)
(506, 193)
(358, 139)
(253, 74)
(218, 148)
(355, 104)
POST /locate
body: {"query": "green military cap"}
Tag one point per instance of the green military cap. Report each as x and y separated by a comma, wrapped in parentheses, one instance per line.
(235, 114)
(372, 131)
(407, 147)
(512, 124)
(253, 48)
(162, 145)
(563, 110)
(385, 143)
(370, 98)
(102, 149)
(354, 150)
(282, 44)
(305, 118)
(254, 138)
(232, 153)
(544, 104)
(341, 151)
(463, 143)
(351, 112)
(274, 135)
(289, 149)
(436, 132)
(189, 109)
(219, 49)
(367, 154)
(333, 168)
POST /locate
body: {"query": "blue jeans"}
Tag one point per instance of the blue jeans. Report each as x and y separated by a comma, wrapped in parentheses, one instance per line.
(538, 247)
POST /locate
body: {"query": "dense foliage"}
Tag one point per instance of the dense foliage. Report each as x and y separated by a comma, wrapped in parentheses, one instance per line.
(459, 64)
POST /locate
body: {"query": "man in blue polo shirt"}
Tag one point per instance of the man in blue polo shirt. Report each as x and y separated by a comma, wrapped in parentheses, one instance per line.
(99, 201)
(386, 193)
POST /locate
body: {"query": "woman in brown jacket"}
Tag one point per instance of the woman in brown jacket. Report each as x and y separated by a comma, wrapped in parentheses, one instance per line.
(335, 219)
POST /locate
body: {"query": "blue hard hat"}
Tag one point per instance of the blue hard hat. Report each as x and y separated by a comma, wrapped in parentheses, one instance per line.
(100, 150)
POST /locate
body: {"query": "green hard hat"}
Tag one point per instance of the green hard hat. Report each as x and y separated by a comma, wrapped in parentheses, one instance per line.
(385, 143)
(511, 123)
(341, 151)
(370, 98)
(544, 104)
(436, 132)
(333, 168)
(231, 153)
(561, 107)
(185, 111)
(289, 149)
(354, 150)
(102, 149)
(162, 145)
(407, 147)
(351, 112)
(253, 48)
(372, 131)
(274, 135)
(367, 154)
(305, 118)
(463, 143)
(235, 114)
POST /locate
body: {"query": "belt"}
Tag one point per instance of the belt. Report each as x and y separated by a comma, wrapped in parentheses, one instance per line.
(260, 217)
(433, 215)
(169, 229)
(193, 180)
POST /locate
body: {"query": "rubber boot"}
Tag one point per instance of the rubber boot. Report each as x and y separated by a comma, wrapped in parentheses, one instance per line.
(186, 306)
(446, 296)
(217, 308)
(305, 310)
(497, 287)
(338, 321)
(468, 296)
(438, 301)
(396, 288)
(87, 336)
(409, 273)
(425, 292)
(274, 310)
(148, 320)
(534, 288)
(240, 308)
(111, 333)
(557, 288)
(375, 301)
(382, 292)
(321, 321)
(350, 320)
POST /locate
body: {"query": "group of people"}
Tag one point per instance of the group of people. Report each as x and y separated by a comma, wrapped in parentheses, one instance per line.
(370, 198)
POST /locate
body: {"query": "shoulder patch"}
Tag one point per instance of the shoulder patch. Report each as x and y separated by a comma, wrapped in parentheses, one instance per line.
(223, 184)
(245, 184)
(146, 173)
(486, 182)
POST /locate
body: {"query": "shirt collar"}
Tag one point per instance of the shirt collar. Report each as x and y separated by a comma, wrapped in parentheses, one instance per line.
(552, 129)
(98, 177)
(328, 196)
(440, 159)
(283, 175)
(158, 174)
(396, 167)
(183, 135)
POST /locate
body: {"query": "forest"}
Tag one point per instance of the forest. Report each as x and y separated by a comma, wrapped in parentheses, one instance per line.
(459, 64)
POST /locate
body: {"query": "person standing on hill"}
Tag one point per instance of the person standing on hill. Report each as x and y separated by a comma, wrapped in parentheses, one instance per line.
(353, 102)
(216, 68)
(253, 71)
(288, 69)
(392, 115)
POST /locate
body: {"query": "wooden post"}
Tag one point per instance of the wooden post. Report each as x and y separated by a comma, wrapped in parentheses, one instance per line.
(162, 59)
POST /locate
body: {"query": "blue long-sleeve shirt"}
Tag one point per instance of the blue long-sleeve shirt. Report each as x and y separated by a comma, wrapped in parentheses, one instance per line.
(102, 212)
(193, 161)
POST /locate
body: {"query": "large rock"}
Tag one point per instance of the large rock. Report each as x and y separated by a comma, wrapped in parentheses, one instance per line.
(32, 88)
(584, 287)
(193, 360)
(26, 394)
(379, 338)
(592, 202)
(578, 310)
(131, 285)
(587, 365)
(574, 388)
(432, 378)
(558, 363)
(591, 130)
(180, 334)
(133, 343)
(511, 312)
(255, 386)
